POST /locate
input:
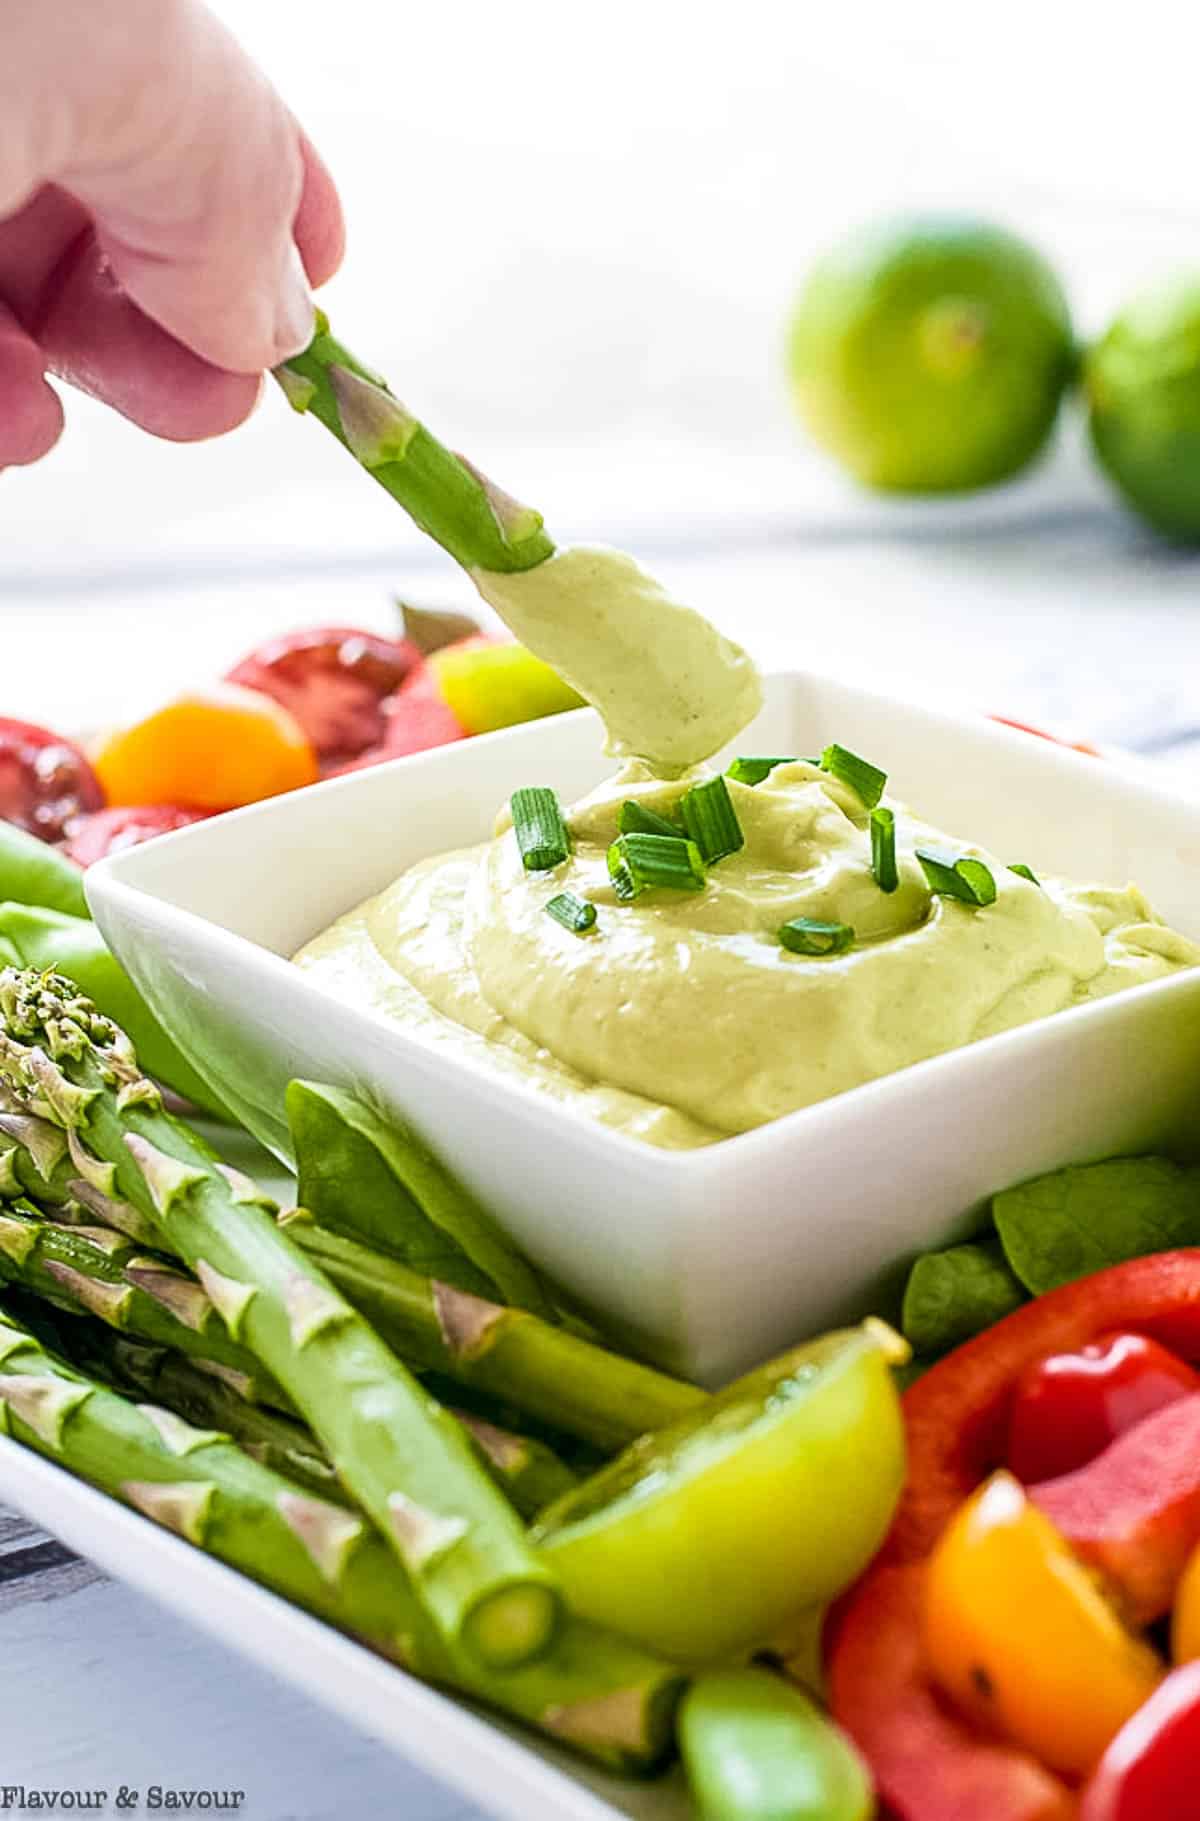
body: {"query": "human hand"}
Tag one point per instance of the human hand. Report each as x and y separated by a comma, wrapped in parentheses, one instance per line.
(156, 202)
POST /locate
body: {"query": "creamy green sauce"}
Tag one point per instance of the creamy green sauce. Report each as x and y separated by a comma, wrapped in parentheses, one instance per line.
(679, 1018)
(669, 688)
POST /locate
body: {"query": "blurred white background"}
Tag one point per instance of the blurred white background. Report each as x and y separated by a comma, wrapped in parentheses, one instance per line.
(574, 236)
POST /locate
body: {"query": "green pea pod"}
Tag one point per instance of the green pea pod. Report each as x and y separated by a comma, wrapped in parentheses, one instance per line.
(33, 873)
(366, 1178)
(43, 938)
(756, 1749)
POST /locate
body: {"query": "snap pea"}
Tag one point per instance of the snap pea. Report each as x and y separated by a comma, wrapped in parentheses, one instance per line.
(33, 873)
(757, 1749)
(43, 938)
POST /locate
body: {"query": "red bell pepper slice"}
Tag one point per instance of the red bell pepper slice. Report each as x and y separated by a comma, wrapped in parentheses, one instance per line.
(1149, 1771)
(957, 1415)
(1134, 1512)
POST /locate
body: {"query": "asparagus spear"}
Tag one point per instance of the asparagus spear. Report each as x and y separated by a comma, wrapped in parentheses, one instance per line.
(397, 1452)
(565, 1381)
(175, 1382)
(604, 1697)
(481, 526)
(93, 1270)
(528, 1471)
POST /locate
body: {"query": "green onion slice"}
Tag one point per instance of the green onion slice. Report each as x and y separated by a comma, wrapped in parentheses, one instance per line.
(1024, 872)
(810, 936)
(636, 863)
(957, 876)
(753, 771)
(573, 913)
(539, 827)
(711, 820)
(883, 849)
(859, 774)
(635, 819)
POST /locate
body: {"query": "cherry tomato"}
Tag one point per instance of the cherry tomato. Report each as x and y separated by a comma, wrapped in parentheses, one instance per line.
(334, 680)
(1149, 1771)
(416, 718)
(1069, 1407)
(90, 838)
(44, 779)
(1041, 734)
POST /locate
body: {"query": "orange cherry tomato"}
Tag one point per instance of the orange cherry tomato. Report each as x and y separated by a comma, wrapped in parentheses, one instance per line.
(1020, 1637)
(215, 748)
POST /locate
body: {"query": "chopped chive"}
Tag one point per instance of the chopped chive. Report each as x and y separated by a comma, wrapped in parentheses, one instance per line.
(638, 862)
(810, 936)
(753, 771)
(539, 827)
(711, 820)
(859, 774)
(635, 819)
(1024, 872)
(957, 876)
(573, 913)
(883, 849)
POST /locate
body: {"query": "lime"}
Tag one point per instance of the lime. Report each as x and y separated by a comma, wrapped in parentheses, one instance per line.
(929, 354)
(706, 1538)
(1142, 383)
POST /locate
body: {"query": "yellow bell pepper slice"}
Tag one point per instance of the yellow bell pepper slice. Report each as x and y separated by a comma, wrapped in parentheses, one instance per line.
(1185, 1620)
(1019, 1635)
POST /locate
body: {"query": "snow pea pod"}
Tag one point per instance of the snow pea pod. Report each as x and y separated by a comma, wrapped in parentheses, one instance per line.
(756, 1749)
(43, 938)
(31, 872)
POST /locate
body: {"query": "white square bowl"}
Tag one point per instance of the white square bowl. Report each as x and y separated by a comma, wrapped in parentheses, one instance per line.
(706, 1260)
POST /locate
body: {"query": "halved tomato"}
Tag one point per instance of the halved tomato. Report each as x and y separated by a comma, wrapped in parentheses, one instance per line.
(334, 680)
(44, 779)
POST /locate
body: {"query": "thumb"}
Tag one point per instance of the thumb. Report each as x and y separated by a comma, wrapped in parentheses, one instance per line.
(189, 164)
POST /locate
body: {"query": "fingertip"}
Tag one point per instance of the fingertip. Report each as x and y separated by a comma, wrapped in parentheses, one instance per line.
(319, 227)
(31, 413)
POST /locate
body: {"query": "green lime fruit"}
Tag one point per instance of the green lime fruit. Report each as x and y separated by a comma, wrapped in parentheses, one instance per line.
(930, 354)
(1142, 384)
(715, 1534)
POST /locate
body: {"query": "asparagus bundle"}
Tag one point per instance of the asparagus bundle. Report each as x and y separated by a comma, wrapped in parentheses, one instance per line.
(547, 1372)
(594, 1692)
(402, 1457)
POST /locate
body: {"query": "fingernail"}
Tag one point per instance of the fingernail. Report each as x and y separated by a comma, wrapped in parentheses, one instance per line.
(295, 317)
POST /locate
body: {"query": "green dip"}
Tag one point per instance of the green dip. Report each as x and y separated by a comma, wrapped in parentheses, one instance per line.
(679, 1018)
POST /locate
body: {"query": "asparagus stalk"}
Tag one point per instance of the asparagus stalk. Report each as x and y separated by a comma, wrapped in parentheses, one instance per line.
(95, 1271)
(528, 1471)
(480, 526)
(399, 1454)
(171, 1380)
(591, 1691)
(554, 1375)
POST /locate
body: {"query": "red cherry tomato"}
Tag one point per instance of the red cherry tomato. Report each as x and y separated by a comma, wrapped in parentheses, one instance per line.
(90, 838)
(415, 719)
(334, 680)
(1069, 1407)
(44, 779)
(1041, 734)
(1149, 1771)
